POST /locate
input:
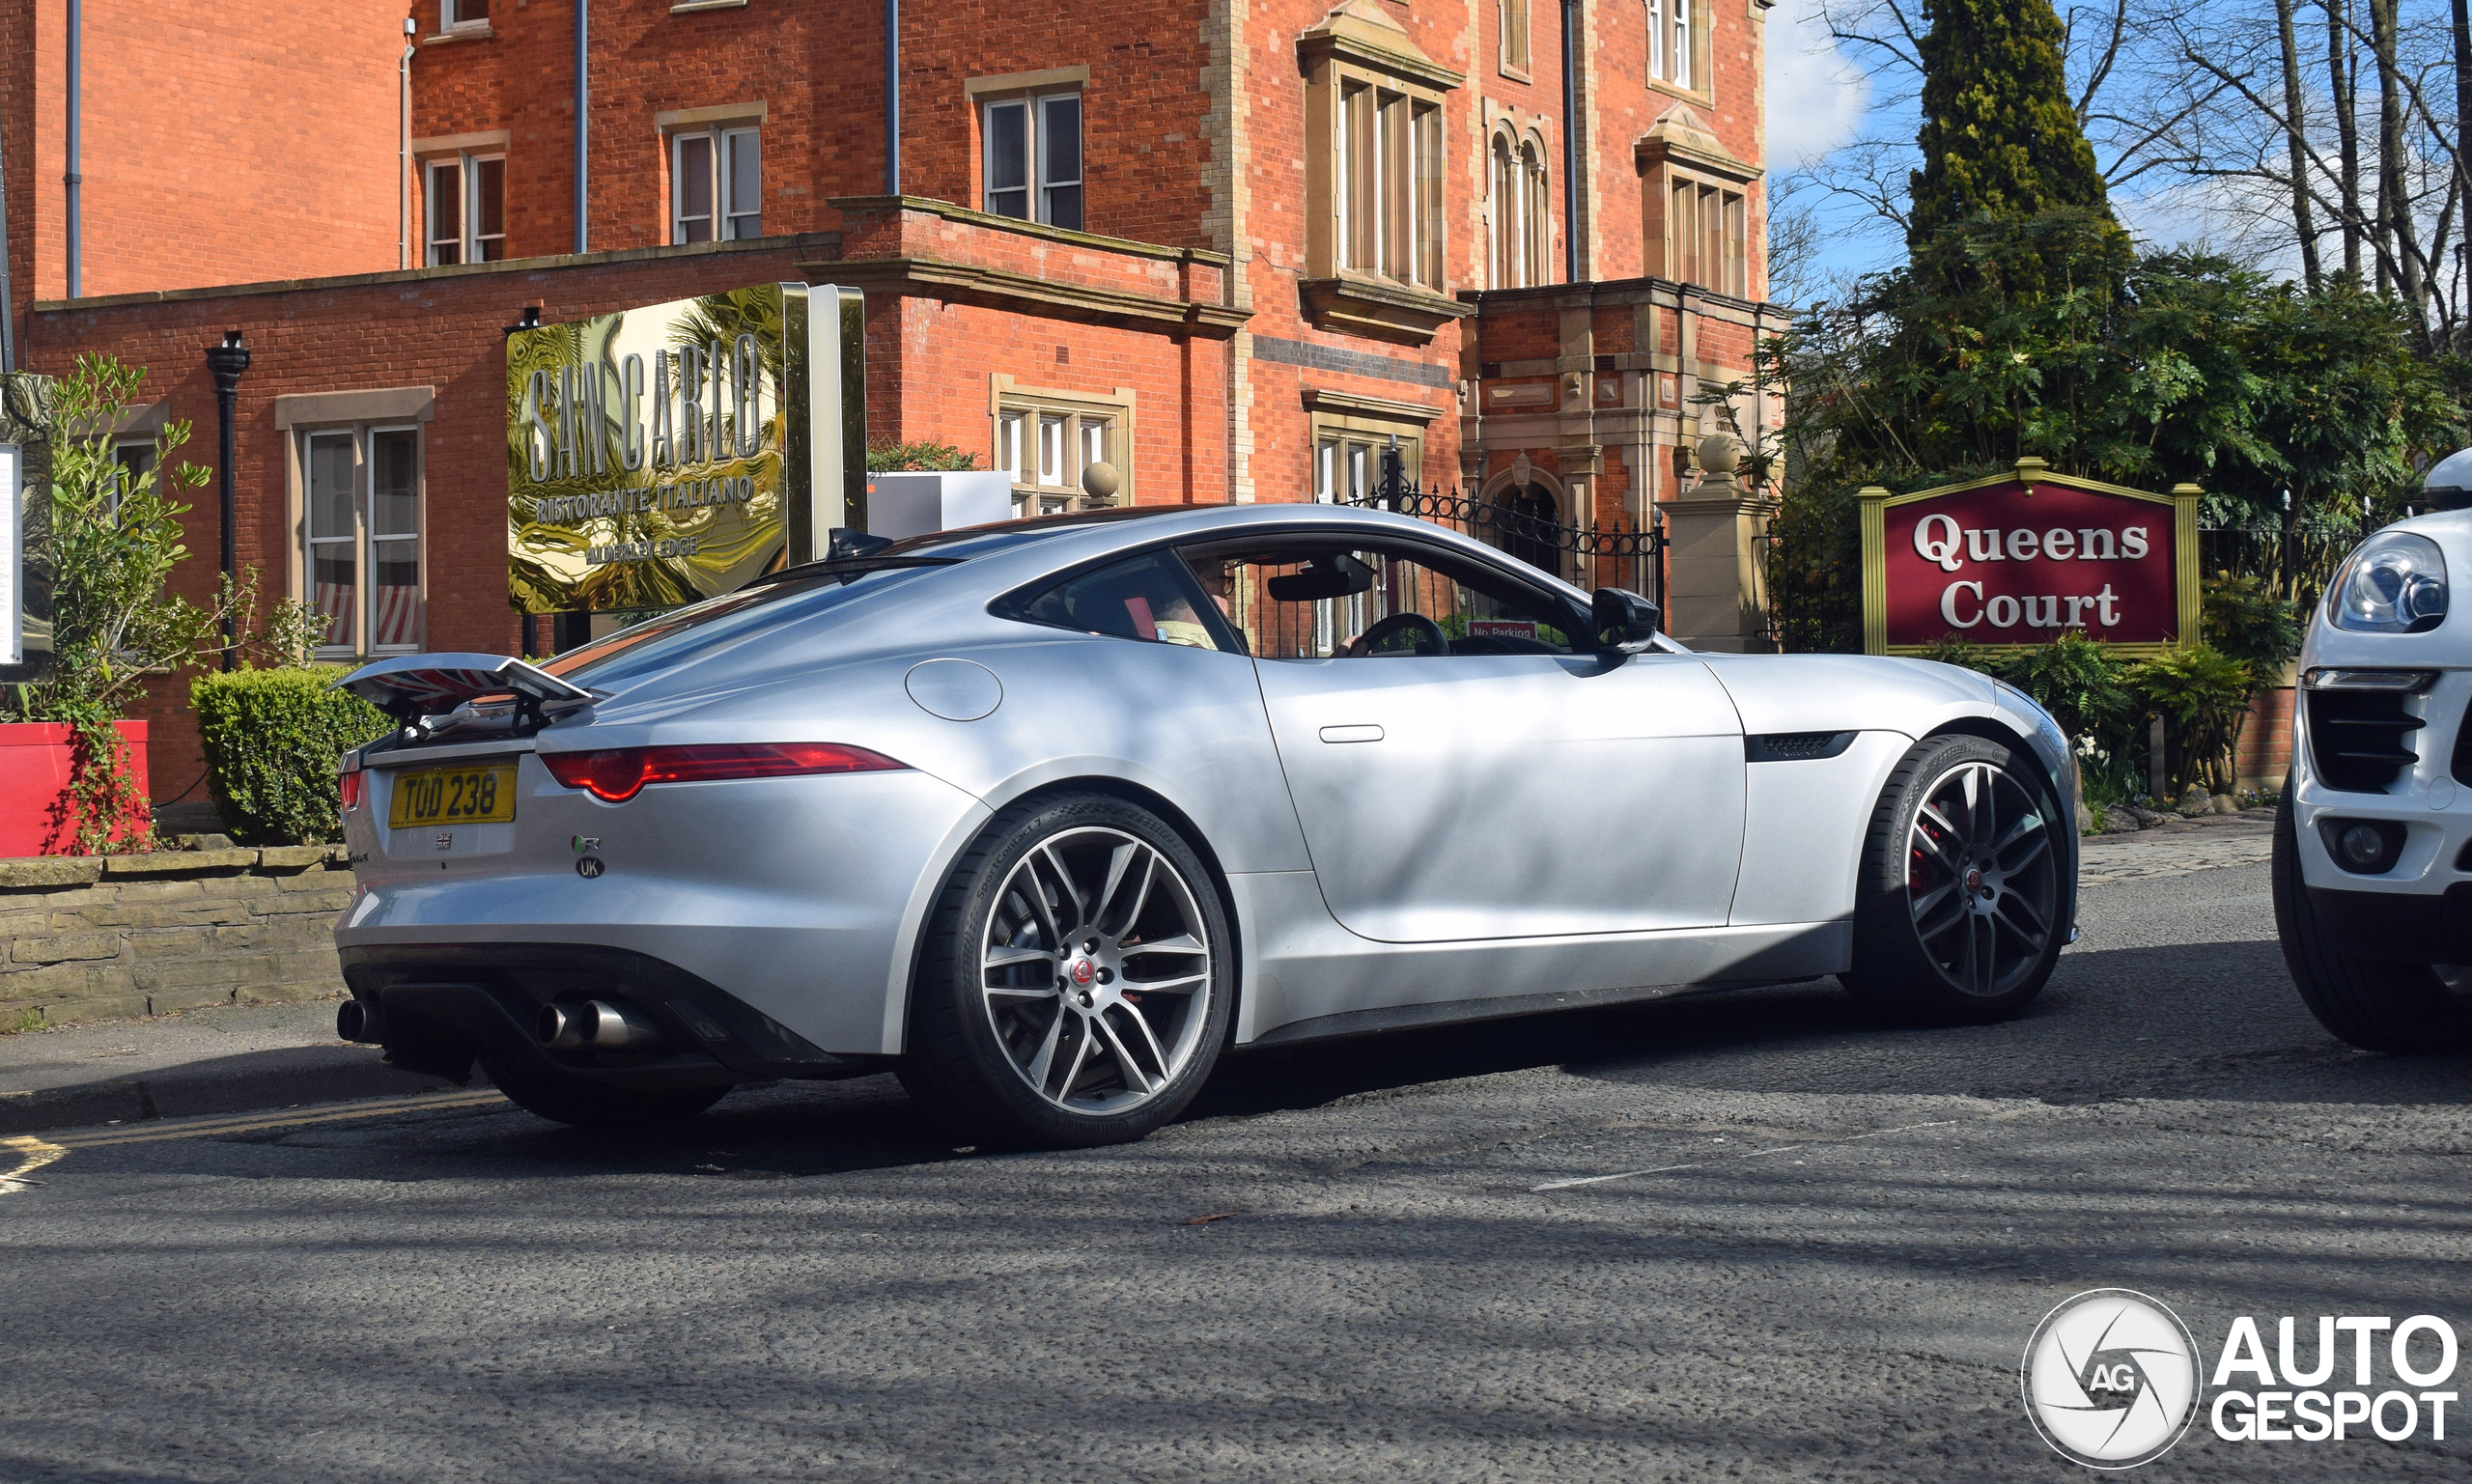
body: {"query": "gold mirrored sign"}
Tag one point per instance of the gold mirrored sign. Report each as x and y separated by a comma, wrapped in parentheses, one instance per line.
(667, 454)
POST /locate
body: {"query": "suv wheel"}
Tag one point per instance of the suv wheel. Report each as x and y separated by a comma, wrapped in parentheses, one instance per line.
(2378, 1005)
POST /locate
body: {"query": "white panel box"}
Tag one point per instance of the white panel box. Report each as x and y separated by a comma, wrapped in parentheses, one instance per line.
(913, 504)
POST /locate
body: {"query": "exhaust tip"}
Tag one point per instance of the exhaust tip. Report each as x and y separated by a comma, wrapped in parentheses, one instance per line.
(354, 1022)
(620, 1027)
(564, 1027)
(598, 1024)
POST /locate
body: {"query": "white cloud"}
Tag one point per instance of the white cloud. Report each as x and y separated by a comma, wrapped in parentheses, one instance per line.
(1816, 98)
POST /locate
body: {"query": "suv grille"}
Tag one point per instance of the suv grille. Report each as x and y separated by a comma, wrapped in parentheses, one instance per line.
(2356, 739)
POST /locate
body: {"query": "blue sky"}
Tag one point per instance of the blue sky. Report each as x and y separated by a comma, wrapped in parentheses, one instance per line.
(1817, 100)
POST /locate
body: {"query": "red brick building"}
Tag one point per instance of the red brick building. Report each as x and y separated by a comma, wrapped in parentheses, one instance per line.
(1237, 252)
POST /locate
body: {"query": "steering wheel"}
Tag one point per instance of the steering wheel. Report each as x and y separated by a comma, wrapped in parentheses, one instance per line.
(1429, 635)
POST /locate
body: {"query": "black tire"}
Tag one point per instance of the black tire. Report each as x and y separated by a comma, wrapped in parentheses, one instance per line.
(588, 1105)
(1934, 945)
(979, 1029)
(2377, 1005)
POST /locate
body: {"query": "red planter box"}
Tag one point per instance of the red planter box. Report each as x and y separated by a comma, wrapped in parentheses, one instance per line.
(35, 811)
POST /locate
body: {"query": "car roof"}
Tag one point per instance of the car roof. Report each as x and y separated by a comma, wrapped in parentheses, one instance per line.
(1193, 521)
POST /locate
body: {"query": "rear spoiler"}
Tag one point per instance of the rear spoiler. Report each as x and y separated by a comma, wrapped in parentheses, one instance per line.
(410, 687)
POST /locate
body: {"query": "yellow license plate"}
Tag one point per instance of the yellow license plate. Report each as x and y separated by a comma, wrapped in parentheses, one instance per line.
(453, 795)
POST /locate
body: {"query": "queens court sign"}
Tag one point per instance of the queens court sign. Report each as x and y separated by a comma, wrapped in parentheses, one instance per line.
(2022, 558)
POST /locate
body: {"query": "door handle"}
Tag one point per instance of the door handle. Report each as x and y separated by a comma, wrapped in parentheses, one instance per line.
(1352, 734)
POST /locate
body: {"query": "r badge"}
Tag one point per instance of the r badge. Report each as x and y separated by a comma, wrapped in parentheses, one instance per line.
(589, 867)
(446, 842)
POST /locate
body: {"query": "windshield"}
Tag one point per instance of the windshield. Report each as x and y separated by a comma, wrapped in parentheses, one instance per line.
(682, 636)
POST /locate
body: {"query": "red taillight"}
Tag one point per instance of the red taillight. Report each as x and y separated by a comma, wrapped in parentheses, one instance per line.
(354, 784)
(621, 773)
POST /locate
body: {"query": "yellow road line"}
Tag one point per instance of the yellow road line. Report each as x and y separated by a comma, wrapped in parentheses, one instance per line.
(153, 1132)
(32, 1154)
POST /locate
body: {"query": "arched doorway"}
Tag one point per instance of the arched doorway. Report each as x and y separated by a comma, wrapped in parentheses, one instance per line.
(1524, 518)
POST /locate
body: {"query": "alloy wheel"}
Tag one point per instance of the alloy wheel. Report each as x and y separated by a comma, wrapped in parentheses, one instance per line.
(1983, 884)
(1097, 970)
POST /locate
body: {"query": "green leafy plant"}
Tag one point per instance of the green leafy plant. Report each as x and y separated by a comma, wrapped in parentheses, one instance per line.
(273, 738)
(2081, 682)
(2248, 620)
(112, 543)
(929, 457)
(2203, 695)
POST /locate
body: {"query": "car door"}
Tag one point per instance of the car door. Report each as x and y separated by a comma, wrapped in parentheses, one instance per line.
(1504, 786)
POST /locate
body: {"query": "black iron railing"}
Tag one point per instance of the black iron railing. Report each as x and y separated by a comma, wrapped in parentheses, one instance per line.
(2296, 556)
(1586, 554)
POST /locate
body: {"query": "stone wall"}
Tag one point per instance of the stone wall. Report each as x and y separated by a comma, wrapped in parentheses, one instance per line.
(90, 938)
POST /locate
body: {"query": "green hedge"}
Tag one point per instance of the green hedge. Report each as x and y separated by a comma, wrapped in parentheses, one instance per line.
(272, 739)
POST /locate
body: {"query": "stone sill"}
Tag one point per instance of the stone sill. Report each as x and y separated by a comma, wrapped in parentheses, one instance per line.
(48, 872)
(690, 7)
(475, 31)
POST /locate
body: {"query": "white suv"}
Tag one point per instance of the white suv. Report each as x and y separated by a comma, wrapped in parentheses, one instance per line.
(2372, 862)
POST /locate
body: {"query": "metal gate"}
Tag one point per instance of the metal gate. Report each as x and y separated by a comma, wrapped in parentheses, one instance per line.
(1588, 556)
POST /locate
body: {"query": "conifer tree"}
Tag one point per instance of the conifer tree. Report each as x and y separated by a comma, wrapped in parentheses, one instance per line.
(1999, 135)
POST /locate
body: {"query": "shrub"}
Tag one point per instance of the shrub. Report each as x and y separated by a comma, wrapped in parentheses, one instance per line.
(2076, 679)
(272, 739)
(2204, 697)
(890, 458)
(2248, 620)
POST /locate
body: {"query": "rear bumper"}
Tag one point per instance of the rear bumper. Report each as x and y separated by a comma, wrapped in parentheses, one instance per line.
(438, 1005)
(2425, 929)
(800, 897)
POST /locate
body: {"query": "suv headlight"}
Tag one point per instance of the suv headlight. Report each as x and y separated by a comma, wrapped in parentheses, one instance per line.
(2395, 583)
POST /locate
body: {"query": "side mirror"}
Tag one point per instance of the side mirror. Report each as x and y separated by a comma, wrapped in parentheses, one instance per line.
(1626, 623)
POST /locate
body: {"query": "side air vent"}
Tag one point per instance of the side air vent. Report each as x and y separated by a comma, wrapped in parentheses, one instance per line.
(1795, 746)
(2462, 765)
(2356, 739)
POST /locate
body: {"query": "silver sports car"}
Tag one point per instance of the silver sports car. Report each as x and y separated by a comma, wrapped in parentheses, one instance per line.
(1047, 816)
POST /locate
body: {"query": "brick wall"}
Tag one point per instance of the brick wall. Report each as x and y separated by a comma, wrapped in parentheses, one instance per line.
(2265, 740)
(101, 937)
(818, 73)
(217, 144)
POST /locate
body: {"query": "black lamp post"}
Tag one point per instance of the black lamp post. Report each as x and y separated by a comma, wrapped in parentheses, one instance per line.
(227, 362)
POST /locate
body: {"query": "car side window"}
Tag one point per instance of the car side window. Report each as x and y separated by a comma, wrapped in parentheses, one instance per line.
(1308, 598)
(1152, 598)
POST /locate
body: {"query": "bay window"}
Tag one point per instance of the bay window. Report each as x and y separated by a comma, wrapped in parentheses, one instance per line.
(1375, 226)
(1389, 196)
(1707, 236)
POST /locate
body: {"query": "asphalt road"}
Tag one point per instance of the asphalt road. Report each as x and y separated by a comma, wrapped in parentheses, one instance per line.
(1849, 1237)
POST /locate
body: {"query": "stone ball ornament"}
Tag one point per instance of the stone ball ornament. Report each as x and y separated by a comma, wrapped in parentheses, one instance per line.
(1100, 481)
